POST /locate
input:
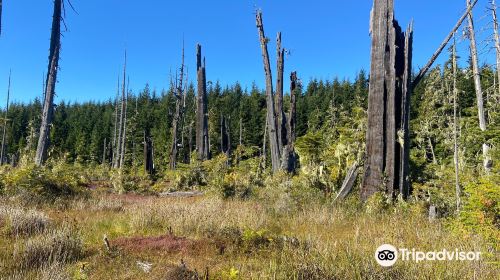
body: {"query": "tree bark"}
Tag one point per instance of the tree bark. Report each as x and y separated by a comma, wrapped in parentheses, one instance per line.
(374, 164)
(478, 88)
(202, 110)
(4, 133)
(148, 154)
(271, 115)
(115, 133)
(48, 108)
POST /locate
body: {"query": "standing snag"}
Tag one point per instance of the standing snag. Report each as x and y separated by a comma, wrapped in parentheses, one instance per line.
(202, 146)
(5, 120)
(48, 106)
(178, 116)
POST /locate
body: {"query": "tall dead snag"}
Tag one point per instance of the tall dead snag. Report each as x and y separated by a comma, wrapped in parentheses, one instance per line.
(120, 141)
(478, 88)
(388, 106)
(48, 106)
(281, 117)
(115, 133)
(179, 103)
(458, 190)
(496, 37)
(4, 133)
(272, 122)
(289, 158)
(225, 138)
(201, 109)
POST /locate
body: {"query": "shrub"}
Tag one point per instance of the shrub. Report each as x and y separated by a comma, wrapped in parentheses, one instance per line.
(24, 222)
(58, 246)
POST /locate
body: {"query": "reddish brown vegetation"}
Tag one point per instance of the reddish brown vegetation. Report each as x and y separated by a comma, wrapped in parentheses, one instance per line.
(164, 243)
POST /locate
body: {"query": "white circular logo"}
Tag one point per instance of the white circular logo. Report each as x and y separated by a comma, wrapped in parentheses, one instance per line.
(386, 255)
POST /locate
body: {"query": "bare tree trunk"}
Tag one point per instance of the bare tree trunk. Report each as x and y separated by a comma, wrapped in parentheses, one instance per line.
(124, 134)
(271, 115)
(241, 131)
(458, 190)
(289, 158)
(104, 152)
(202, 145)
(179, 94)
(374, 164)
(119, 146)
(479, 90)
(48, 107)
(497, 37)
(3, 151)
(148, 154)
(115, 136)
(264, 151)
(281, 117)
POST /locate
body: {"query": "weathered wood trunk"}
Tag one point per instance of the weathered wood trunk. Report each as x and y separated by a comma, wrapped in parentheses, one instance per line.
(202, 146)
(478, 87)
(4, 132)
(272, 123)
(497, 38)
(225, 141)
(386, 165)
(124, 134)
(289, 158)
(121, 124)
(115, 133)
(458, 190)
(48, 107)
(280, 113)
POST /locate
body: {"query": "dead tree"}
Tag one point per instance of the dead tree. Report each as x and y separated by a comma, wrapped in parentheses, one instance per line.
(179, 100)
(148, 154)
(48, 107)
(115, 136)
(289, 158)
(281, 117)
(120, 140)
(4, 133)
(104, 149)
(458, 190)
(202, 109)
(388, 103)
(478, 88)
(272, 122)
(124, 133)
(225, 139)
(496, 37)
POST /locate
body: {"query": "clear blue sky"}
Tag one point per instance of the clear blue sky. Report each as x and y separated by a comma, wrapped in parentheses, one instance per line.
(327, 38)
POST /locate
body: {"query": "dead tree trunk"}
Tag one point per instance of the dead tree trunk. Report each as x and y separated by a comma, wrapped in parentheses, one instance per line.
(105, 146)
(124, 134)
(478, 88)
(119, 141)
(115, 136)
(281, 117)
(48, 107)
(148, 154)
(179, 96)
(458, 190)
(289, 159)
(387, 103)
(497, 37)
(4, 133)
(271, 115)
(202, 111)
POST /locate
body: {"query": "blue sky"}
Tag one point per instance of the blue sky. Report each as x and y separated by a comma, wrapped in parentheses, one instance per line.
(327, 38)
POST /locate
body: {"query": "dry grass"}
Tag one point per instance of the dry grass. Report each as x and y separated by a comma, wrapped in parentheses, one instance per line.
(25, 222)
(263, 238)
(56, 246)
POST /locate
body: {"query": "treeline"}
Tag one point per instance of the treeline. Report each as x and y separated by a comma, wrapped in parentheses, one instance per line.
(82, 132)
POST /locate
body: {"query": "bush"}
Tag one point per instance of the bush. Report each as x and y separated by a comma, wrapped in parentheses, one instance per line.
(58, 246)
(33, 182)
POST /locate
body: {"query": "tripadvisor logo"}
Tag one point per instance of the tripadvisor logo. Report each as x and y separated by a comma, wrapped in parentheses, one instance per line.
(387, 255)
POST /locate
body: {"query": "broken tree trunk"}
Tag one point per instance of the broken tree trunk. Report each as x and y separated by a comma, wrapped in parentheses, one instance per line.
(271, 115)
(280, 113)
(4, 133)
(115, 133)
(201, 111)
(48, 107)
(478, 88)
(119, 141)
(388, 108)
(348, 183)
(289, 158)
(124, 134)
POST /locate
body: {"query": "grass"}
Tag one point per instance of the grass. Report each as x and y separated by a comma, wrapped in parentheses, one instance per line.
(266, 237)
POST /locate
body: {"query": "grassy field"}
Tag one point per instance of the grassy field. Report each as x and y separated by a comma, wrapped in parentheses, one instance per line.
(265, 237)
